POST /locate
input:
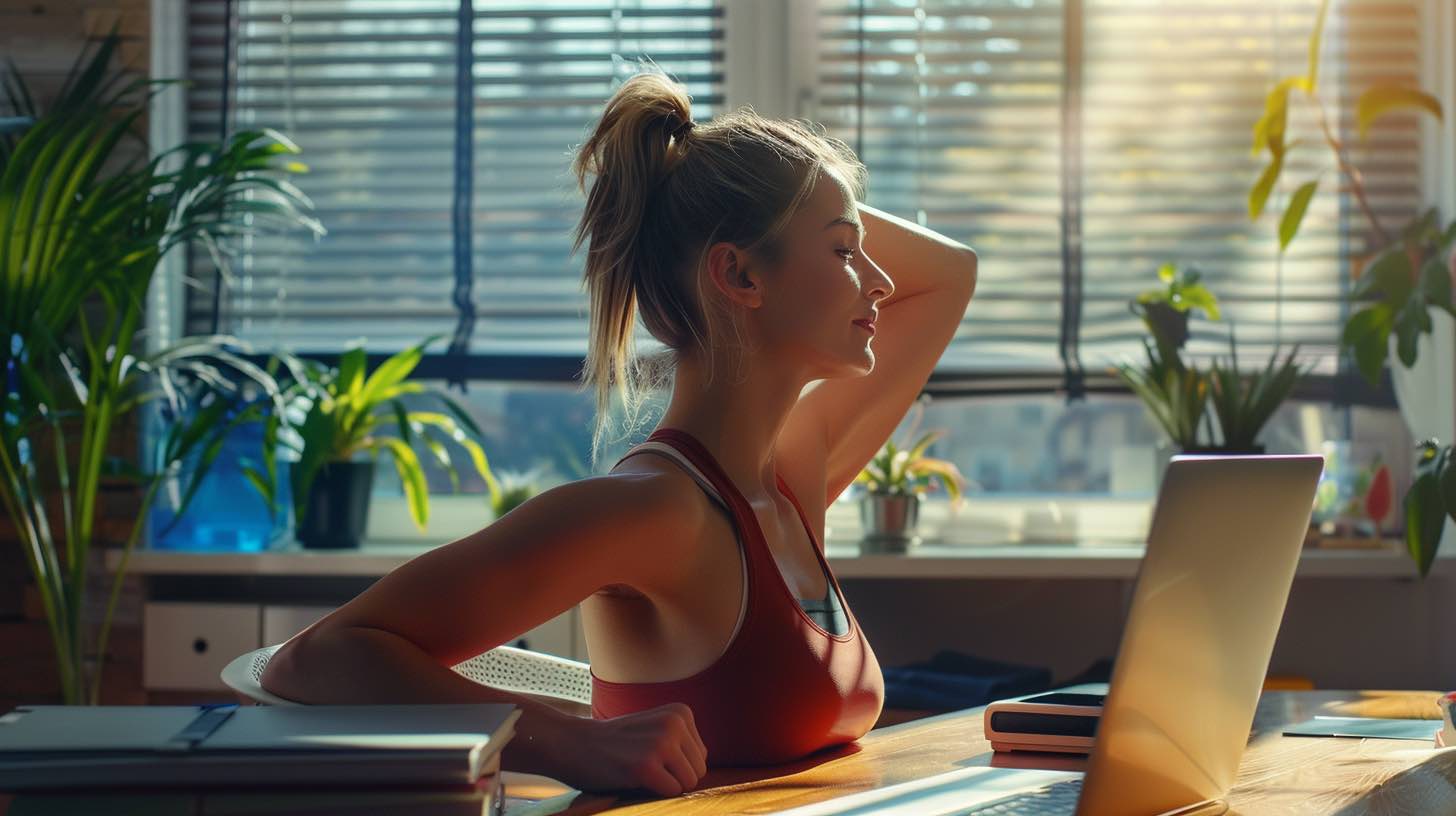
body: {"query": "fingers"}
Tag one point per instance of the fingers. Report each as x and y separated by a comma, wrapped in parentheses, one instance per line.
(657, 779)
(682, 769)
(693, 730)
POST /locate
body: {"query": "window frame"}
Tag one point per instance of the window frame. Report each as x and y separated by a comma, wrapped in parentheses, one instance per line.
(770, 63)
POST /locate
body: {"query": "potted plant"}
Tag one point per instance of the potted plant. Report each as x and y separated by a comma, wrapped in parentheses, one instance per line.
(1403, 287)
(1181, 397)
(894, 481)
(340, 419)
(1244, 403)
(515, 489)
(84, 231)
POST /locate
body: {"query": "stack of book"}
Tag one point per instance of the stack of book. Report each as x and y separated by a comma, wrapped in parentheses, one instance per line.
(437, 760)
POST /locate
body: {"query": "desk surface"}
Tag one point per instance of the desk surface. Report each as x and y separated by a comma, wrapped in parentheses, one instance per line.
(1293, 775)
(1278, 775)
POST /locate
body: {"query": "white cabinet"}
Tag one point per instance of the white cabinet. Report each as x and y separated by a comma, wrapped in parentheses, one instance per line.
(185, 645)
(283, 622)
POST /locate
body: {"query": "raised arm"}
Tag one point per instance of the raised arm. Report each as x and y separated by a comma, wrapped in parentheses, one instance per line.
(842, 423)
(395, 642)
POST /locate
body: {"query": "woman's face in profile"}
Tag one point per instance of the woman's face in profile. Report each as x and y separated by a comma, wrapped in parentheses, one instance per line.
(821, 285)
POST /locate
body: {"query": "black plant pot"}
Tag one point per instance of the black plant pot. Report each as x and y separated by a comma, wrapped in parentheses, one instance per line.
(338, 506)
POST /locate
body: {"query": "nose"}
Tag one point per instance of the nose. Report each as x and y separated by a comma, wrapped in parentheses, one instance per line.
(876, 283)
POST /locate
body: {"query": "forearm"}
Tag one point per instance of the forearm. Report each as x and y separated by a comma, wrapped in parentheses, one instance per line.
(917, 259)
(359, 666)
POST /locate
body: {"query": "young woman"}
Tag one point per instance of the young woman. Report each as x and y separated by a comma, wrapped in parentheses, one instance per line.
(717, 634)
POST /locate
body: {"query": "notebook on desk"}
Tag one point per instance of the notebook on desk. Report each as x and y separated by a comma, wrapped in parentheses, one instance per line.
(49, 747)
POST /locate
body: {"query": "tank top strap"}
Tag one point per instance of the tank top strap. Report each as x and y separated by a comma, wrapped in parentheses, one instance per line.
(657, 446)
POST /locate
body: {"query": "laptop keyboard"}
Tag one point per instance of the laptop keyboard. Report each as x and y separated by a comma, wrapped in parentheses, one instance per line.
(1058, 799)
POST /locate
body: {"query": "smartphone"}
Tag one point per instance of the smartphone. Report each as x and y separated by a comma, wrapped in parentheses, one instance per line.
(1059, 722)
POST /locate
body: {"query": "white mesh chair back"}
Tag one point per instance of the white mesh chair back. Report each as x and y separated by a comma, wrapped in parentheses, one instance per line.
(504, 667)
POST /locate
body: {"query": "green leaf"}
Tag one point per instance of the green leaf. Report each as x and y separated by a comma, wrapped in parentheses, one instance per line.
(1425, 515)
(1259, 195)
(1167, 272)
(1436, 282)
(1269, 130)
(1294, 214)
(351, 373)
(1314, 47)
(1447, 476)
(391, 373)
(1367, 335)
(1410, 322)
(1389, 275)
(412, 476)
(1382, 99)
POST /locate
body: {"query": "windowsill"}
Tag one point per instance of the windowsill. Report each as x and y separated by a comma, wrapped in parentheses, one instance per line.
(928, 558)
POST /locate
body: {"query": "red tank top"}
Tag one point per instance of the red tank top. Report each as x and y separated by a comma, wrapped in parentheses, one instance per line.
(784, 687)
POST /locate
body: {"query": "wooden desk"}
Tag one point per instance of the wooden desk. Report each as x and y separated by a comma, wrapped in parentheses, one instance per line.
(1278, 775)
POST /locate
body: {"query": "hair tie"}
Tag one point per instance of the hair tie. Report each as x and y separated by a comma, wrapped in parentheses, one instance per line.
(682, 129)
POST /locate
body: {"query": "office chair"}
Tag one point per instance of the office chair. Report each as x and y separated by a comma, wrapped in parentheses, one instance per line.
(504, 667)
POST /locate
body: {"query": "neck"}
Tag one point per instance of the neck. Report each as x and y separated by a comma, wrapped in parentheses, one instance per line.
(738, 421)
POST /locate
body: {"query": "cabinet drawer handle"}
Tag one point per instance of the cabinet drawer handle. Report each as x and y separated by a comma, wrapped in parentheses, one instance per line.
(199, 646)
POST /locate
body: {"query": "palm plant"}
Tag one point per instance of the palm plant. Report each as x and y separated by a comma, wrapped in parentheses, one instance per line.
(82, 231)
(337, 413)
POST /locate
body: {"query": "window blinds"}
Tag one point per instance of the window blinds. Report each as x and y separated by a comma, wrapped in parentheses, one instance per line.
(367, 89)
(1079, 144)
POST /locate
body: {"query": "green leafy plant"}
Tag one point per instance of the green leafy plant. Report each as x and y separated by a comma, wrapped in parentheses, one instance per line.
(1244, 403)
(1432, 497)
(1408, 274)
(1164, 310)
(336, 413)
(515, 490)
(1406, 277)
(900, 470)
(1175, 394)
(82, 230)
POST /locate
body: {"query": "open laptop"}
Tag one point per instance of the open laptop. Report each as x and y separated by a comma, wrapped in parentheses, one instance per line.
(1222, 549)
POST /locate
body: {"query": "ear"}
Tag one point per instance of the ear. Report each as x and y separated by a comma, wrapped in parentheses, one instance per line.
(734, 275)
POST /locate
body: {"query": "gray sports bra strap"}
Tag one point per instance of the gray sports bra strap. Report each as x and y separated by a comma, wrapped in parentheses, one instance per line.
(674, 453)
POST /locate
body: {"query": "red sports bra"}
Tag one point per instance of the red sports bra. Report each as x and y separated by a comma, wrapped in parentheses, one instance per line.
(784, 687)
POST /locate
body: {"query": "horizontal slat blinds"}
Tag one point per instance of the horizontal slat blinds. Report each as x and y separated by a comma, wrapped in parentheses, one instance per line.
(1171, 92)
(543, 72)
(367, 89)
(957, 109)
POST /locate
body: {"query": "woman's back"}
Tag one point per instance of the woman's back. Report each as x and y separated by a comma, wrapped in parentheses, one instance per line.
(779, 685)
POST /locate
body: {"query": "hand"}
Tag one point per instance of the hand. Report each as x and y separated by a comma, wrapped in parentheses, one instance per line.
(658, 749)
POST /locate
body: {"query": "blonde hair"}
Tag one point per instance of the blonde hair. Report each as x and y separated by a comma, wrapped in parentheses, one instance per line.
(665, 190)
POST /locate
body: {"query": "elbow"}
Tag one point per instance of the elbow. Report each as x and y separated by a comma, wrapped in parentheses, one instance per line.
(968, 273)
(289, 669)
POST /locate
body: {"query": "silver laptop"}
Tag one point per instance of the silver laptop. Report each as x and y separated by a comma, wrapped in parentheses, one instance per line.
(1224, 543)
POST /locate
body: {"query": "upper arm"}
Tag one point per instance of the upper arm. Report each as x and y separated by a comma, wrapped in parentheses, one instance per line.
(471, 595)
(842, 423)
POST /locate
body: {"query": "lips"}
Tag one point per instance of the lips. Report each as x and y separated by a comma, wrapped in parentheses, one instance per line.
(869, 325)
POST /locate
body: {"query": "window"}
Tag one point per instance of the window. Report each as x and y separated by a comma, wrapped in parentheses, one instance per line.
(1079, 144)
(423, 205)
